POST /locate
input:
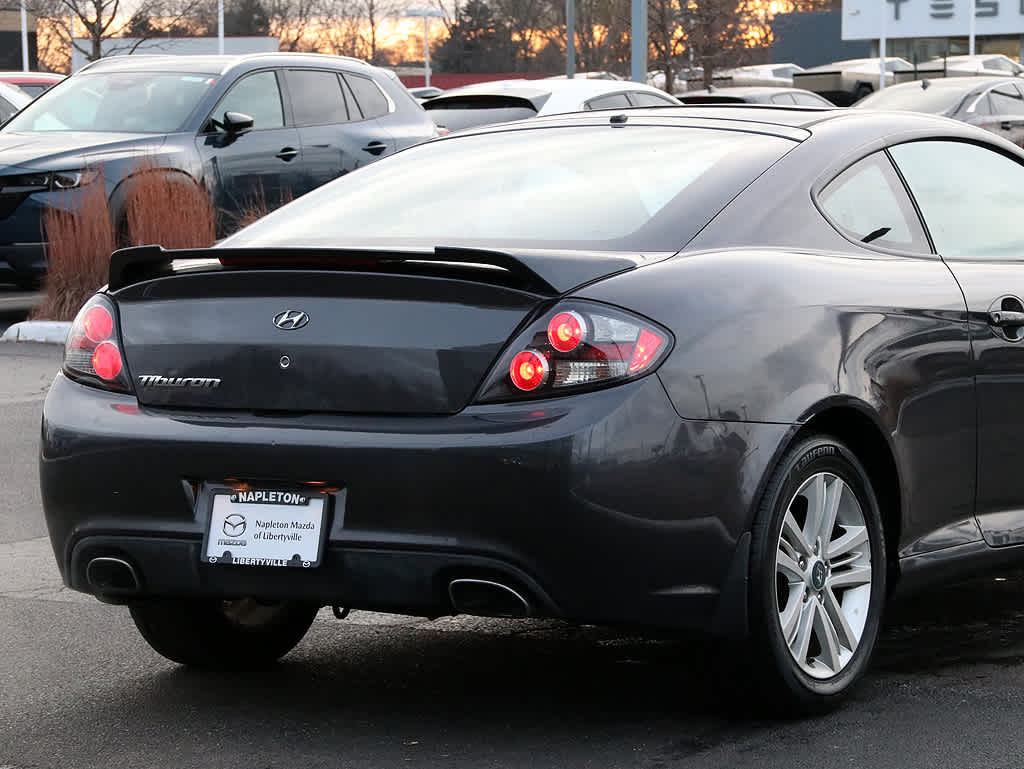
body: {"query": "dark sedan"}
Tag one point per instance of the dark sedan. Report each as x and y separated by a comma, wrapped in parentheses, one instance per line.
(993, 103)
(742, 370)
(251, 130)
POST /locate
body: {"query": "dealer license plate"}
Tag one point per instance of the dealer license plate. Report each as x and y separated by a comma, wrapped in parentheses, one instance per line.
(266, 527)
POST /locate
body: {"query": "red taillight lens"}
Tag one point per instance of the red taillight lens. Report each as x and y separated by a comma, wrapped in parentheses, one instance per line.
(646, 348)
(528, 370)
(566, 330)
(98, 324)
(577, 345)
(93, 354)
(106, 361)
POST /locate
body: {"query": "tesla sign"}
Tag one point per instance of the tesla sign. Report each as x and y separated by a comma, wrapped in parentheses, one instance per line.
(930, 18)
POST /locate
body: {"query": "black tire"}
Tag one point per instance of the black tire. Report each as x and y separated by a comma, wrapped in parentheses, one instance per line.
(784, 685)
(34, 283)
(222, 635)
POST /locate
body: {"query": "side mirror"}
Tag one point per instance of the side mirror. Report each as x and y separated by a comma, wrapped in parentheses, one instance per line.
(236, 123)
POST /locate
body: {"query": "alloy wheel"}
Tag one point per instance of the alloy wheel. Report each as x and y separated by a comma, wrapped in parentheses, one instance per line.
(823, 575)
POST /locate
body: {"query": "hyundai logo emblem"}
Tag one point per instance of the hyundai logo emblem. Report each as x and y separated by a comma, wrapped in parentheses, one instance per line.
(291, 320)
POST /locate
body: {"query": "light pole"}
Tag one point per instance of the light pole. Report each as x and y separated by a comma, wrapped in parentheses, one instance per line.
(24, 37)
(570, 39)
(427, 14)
(638, 42)
(220, 26)
(881, 49)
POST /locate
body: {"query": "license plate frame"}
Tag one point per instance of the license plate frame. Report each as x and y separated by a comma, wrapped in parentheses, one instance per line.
(266, 512)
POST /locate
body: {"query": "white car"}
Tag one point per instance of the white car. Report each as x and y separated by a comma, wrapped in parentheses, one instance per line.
(847, 81)
(979, 64)
(12, 99)
(780, 75)
(504, 100)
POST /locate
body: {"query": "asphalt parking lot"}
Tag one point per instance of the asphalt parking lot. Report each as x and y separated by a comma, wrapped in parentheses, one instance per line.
(79, 688)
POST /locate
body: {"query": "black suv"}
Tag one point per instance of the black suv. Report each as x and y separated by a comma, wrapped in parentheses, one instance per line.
(254, 131)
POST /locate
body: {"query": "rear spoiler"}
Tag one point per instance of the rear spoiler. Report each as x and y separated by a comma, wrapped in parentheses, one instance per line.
(534, 271)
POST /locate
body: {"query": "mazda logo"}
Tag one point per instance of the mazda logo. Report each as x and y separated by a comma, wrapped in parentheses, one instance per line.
(291, 320)
(234, 525)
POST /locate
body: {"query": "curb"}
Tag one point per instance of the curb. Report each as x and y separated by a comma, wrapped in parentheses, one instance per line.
(43, 331)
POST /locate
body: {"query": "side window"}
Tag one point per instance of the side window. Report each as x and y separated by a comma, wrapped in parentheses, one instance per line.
(256, 96)
(978, 105)
(868, 203)
(810, 100)
(316, 97)
(6, 109)
(783, 98)
(1006, 100)
(611, 101)
(369, 97)
(646, 99)
(968, 195)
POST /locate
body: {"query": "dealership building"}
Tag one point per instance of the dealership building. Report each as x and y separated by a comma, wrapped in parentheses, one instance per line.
(923, 29)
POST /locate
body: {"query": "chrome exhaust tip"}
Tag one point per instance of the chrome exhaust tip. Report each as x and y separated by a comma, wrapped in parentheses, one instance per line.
(109, 576)
(486, 598)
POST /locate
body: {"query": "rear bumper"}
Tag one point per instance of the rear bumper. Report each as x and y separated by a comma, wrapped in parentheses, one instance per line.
(602, 507)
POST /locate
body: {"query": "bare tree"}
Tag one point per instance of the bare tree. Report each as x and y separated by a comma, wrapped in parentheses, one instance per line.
(88, 25)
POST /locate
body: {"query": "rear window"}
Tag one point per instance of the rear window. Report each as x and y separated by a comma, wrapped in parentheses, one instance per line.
(460, 112)
(622, 188)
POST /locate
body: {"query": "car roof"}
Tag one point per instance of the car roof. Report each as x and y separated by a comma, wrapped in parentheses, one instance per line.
(549, 96)
(745, 90)
(963, 84)
(216, 64)
(794, 122)
(855, 63)
(15, 76)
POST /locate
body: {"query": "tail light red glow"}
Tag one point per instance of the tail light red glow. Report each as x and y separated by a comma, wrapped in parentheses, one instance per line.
(97, 324)
(528, 370)
(578, 344)
(566, 331)
(106, 361)
(92, 354)
(646, 348)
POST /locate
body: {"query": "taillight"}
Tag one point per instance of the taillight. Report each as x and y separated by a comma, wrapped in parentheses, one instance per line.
(577, 345)
(92, 354)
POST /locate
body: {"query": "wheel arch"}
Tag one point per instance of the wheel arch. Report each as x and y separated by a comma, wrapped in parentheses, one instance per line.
(117, 201)
(856, 425)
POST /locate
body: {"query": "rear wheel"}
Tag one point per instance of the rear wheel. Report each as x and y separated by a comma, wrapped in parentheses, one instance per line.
(224, 635)
(817, 576)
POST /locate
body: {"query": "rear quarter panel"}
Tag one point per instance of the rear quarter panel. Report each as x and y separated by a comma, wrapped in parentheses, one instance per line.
(777, 336)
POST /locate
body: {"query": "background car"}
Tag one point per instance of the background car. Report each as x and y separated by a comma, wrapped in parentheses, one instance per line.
(504, 100)
(959, 66)
(252, 131)
(593, 75)
(995, 104)
(778, 75)
(12, 99)
(32, 83)
(740, 370)
(423, 93)
(844, 82)
(755, 95)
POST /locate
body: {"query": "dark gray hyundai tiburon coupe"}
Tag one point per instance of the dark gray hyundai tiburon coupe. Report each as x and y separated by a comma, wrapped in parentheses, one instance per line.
(743, 370)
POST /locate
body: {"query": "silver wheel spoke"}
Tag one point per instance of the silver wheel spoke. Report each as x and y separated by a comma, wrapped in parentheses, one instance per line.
(789, 567)
(853, 536)
(853, 577)
(814, 493)
(845, 633)
(827, 637)
(788, 618)
(793, 535)
(833, 496)
(802, 640)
